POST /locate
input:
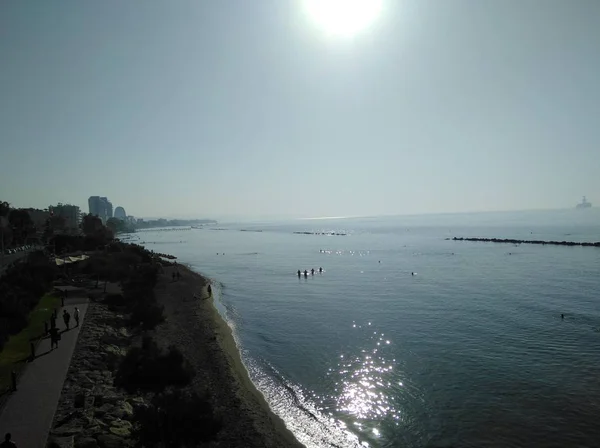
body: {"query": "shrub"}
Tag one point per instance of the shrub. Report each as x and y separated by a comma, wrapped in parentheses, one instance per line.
(114, 300)
(176, 419)
(147, 315)
(147, 368)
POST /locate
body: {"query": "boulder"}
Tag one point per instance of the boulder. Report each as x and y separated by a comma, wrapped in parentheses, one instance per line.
(69, 430)
(86, 442)
(124, 411)
(121, 428)
(79, 400)
(104, 409)
(62, 442)
(111, 441)
(115, 350)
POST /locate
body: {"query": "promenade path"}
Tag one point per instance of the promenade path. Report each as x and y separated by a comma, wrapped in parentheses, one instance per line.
(29, 411)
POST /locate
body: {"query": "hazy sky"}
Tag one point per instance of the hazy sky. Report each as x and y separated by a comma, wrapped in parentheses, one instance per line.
(245, 107)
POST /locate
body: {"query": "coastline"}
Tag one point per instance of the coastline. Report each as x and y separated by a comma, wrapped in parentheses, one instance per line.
(195, 326)
(93, 412)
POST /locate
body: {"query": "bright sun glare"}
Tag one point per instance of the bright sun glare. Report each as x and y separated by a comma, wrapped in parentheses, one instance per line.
(343, 17)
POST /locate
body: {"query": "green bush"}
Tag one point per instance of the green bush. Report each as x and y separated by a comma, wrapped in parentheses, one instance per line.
(176, 419)
(150, 369)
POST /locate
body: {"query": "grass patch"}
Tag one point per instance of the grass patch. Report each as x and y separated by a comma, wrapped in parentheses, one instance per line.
(17, 348)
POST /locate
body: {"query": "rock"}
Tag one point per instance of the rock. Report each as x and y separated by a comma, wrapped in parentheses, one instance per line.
(112, 398)
(121, 432)
(124, 411)
(115, 350)
(67, 430)
(85, 381)
(122, 424)
(79, 401)
(110, 441)
(104, 409)
(86, 442)
(89, 401)
(62, 442)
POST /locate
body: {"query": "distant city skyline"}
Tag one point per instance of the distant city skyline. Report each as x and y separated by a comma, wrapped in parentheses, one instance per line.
(269, 108)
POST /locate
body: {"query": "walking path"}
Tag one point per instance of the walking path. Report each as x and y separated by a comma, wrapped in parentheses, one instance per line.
(29, 411)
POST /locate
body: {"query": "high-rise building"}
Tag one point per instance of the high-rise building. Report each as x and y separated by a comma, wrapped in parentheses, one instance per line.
(120, 213)
(108, 208)
(70, 213)
(101, 207)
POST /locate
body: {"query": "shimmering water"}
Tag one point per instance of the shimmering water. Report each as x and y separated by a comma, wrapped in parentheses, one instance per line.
(469, 352)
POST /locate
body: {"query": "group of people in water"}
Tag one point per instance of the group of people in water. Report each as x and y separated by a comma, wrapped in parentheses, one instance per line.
(312, 272)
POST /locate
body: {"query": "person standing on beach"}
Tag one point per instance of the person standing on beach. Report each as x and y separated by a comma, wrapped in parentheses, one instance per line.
(209, 289)
(8, 443)
(66, 318)
(77, 316)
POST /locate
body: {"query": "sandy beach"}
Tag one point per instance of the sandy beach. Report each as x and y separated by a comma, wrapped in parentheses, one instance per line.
(197, 329)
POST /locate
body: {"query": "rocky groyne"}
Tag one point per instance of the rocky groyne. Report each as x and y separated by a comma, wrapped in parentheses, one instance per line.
(92, 412)
(513, 241)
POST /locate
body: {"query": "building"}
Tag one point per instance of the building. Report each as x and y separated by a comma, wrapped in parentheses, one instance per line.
(108, 207)
(70, 213)
(120, 213)
(101, 207)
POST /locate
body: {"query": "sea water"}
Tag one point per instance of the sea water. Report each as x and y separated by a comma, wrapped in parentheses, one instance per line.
(407, 338)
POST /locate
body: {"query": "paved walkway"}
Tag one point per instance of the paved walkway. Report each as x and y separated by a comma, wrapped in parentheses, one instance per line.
(29, 411)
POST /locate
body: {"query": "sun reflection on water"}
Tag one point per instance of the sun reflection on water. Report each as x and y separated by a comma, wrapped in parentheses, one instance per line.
(363, 382)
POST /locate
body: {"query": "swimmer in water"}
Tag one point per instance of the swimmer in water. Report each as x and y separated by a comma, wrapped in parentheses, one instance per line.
(412, 273)
(312, 271)
(562, 316)
(305, 273)
(320, 270)
(299, 273)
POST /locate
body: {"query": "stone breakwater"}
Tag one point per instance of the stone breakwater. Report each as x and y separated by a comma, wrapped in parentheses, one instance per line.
(512, 241)
(92, 413)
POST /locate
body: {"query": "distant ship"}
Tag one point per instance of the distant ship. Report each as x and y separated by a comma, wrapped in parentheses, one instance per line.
(584, 204)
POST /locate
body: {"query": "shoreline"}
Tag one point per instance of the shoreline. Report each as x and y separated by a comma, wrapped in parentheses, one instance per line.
(197, 328)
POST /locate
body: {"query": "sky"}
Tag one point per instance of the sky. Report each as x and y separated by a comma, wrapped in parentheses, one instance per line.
(237, 108)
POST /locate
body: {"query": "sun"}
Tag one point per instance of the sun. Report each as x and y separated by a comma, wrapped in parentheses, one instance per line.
(343, 17)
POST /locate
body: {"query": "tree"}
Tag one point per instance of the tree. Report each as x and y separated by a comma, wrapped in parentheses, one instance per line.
(113, 224)
(22, 225)
(118, 225)
(4, 208)
(91, 224)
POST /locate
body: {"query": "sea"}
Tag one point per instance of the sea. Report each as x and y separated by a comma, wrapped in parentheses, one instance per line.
(407, 338)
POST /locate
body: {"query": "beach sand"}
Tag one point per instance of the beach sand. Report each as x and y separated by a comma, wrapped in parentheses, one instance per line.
(197, 329)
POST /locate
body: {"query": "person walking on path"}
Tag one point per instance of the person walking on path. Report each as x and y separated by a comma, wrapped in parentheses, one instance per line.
(77, 316)
(8, 443)
(54, 338)
(66, 318)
